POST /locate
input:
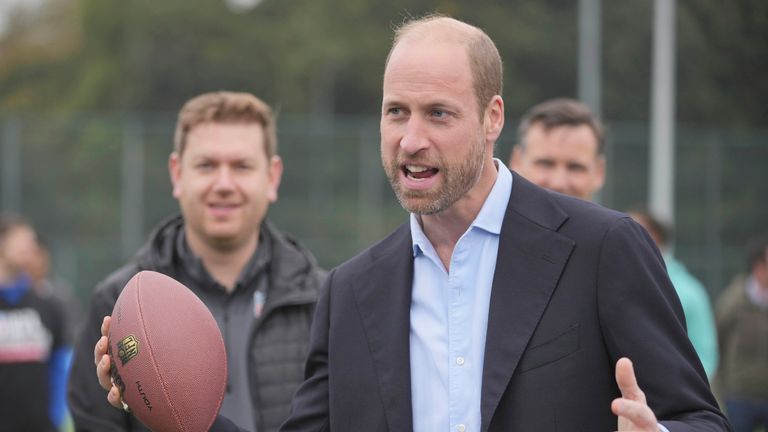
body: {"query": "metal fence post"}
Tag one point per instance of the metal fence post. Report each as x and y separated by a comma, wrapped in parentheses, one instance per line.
(714, 216)
(590, 54)
(132, 187)
(661, 174)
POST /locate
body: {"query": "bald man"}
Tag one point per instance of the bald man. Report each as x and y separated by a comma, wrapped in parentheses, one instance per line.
(498, 306)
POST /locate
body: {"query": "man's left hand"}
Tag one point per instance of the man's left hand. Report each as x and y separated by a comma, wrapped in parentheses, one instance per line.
(631, 408)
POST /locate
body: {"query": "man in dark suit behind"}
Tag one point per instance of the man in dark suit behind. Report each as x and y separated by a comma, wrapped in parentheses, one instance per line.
(500, 306)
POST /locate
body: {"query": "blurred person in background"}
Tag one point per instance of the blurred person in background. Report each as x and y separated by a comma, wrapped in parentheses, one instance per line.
(38, 267)
(742, 325)
(33, 257)
(259, 283)
(560, 147)
(697, 308)
(34, 353)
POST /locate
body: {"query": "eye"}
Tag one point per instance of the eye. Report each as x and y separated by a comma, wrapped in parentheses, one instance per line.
(577, 168)
(394, 111)
(204, 166)
(243, 166)
(544, 163)
(438, 113)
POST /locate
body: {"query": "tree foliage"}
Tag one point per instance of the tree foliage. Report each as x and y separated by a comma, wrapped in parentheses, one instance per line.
(325, 56)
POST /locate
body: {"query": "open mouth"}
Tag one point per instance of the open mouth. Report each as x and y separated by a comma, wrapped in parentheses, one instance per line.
(418, 173)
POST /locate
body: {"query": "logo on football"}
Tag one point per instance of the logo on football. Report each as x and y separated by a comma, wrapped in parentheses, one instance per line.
(127, 349)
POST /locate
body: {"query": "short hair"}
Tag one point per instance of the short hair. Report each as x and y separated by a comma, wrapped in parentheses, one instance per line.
(225, 107)
(757, 250)
(484, 59)
(554, 113)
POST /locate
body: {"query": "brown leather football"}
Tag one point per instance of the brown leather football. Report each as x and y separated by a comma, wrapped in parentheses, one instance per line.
(168, 356)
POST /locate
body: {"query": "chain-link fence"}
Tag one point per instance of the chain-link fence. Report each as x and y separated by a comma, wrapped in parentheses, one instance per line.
(95, 184)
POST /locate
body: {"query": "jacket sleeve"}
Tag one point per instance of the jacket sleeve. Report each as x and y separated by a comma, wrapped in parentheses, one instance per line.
(310, 408)
(87, 400)
(642, 319)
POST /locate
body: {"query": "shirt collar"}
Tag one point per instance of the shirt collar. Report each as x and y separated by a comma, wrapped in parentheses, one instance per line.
(490, 217)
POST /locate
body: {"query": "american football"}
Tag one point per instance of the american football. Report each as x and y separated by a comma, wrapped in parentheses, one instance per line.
(168, 356)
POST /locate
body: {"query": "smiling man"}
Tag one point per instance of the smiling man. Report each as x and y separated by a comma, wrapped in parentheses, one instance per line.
(560, 147)
(258, 283)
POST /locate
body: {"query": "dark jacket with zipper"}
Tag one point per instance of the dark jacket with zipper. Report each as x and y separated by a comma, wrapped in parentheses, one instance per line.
(264, 320)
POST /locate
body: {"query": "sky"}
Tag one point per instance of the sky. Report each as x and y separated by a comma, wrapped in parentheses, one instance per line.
(6, 6)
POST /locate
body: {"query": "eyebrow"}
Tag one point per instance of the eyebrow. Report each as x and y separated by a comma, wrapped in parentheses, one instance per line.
(423, 104)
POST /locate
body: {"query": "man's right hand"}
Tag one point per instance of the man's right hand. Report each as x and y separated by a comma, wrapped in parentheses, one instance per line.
(103, 362)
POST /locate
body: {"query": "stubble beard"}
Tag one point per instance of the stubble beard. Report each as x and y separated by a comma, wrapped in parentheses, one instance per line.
(457, 181)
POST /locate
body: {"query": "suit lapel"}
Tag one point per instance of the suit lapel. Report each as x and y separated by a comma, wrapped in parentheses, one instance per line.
(384, 301)
(531, 258)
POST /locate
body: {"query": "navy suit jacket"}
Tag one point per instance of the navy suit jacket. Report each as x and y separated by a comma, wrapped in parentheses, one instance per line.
(576, 287)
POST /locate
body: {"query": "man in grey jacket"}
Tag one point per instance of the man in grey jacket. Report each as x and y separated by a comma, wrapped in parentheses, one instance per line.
(259, 283)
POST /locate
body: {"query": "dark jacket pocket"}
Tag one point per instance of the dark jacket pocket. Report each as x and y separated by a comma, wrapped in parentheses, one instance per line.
(551, 350)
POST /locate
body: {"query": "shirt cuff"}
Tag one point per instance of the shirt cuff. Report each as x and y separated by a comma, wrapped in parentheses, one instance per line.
(662, 428)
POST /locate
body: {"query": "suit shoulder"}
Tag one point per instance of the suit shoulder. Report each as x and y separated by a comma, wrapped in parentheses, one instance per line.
(578, 208)
(596, 229)
(586, 215)
(558, 212)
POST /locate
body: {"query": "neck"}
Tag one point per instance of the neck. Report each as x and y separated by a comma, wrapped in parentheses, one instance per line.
(225, 264)
(445, 228)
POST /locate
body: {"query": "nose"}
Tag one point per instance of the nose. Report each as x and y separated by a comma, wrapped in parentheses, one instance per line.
(415, 138)
(223, 180)
(558, 180)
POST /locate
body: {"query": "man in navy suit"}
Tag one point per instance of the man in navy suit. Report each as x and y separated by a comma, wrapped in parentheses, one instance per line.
(499, 306)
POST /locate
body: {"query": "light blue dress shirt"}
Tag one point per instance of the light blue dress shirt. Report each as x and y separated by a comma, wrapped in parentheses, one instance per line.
(449, 318)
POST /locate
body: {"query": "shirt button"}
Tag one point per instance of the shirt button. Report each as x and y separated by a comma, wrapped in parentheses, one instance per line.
(461, 428)
(460, 362)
